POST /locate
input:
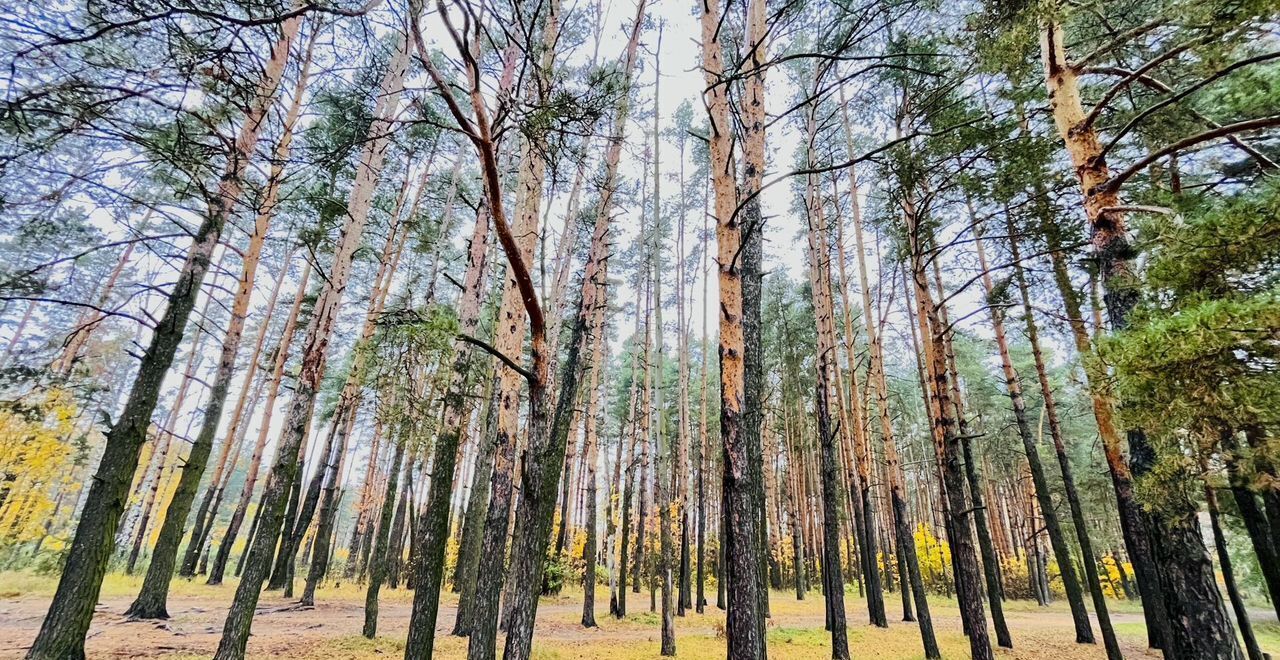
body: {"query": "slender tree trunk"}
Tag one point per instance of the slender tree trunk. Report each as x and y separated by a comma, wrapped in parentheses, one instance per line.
(904, 532)
(1238, 607)
(433, 523)
(227, 460)
(473, 525)
(947, 441)
(589, 448)
(319, 330)
(1013, 384)
(255, 460)
(378, 571)
(62, 633)
(827, 385)
(663, 469)
(88, 322)
(1060, 450)
(164, 440)
(150, 603)
(331, 469)
(509, 341)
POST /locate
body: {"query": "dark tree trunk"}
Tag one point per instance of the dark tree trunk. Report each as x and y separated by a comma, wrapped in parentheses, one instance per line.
(1013, 384)
(473, 519)
(331, 472)
(378, 569)
(1255, 520)
(282, 572)
(1198, 621)
(949, 451)
(831, 573)
(67, 621)
(1060, 450)
(395, 551)
(1228, 577)
(1200, 626)
(62, 634)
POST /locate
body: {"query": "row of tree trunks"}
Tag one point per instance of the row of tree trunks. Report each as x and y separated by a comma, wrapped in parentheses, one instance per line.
(67, 621)
(314, 358)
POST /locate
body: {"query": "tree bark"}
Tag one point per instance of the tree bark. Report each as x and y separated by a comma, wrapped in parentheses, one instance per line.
(1013, 385)
(1090, 561)
(62, 633)
(319, 331)
(1198, 622)
(745, 622)
(378, 571)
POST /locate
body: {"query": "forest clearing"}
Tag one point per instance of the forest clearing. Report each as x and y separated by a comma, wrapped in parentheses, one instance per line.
(332, 629)
(640, 328)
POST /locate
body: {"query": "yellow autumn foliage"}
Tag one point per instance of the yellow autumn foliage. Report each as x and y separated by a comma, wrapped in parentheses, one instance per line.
(36, 454)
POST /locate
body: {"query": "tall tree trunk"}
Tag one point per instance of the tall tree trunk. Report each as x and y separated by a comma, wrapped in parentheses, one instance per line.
(702, 463)
(71, 610)
(240, 416)
(350, 397)
(547, 440)
(510, 339)
(663, 469)
(745, 623)
(1198, 622)
(1090, 560)
(255, 460)
(904, 532)
(590, 443)
(379, 569)
(319, 330)
(150, 603)
(1013, 385)
(827, 384)
(947, 439)
(433, 523)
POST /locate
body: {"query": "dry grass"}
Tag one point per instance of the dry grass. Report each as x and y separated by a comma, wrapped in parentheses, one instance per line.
(330, 631)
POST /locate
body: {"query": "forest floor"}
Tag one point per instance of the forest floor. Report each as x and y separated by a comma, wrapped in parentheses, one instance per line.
(331, 630)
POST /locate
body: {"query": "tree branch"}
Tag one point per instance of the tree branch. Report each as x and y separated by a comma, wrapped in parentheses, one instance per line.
(1113, 184)
(528, 375)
